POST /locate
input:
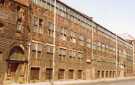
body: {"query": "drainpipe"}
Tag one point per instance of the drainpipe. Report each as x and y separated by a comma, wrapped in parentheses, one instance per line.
(30, 41)
(133, 56)
(54, 43)
(116, 55)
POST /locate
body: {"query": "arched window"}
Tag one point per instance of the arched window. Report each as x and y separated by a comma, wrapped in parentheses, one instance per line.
(16, 53)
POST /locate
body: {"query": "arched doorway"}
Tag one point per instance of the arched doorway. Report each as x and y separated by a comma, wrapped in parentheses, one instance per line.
(16, 64)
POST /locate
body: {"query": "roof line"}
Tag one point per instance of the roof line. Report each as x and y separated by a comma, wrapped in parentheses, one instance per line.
(90, 18)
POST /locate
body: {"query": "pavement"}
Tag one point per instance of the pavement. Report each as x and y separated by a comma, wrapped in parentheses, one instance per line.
(116, 81)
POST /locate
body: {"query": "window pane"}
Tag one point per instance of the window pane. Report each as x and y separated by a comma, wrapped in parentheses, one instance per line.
(34, 75)
(49, 73)
(61, 74)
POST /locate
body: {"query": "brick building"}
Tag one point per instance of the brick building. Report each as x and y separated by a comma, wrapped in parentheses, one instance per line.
(84, 50)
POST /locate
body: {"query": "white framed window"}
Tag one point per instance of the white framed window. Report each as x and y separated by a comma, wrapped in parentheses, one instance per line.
(62, 54)
(63, 34)
(81, 40)
(73, 37)
(50, 29)
(62, 51)
(72, 54)
(50, 49)
(19, 27)
(36, 50)
(88, 43)
(38, 25)
(20, 19)
(37, 47)
(80, 56)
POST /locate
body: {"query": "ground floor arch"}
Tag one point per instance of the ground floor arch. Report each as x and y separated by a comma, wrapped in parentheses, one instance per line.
(16, 65)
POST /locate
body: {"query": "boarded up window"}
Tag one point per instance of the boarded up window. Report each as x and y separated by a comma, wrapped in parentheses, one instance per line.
(79, 74)
(61, 74)
(49, 73)
(34, 74)
(71, 74)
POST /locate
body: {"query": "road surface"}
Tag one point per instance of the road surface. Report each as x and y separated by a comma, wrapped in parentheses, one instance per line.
(98, 82)
(125, 82)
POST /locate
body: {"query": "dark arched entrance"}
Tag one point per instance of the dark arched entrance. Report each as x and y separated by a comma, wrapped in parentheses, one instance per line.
(17, 54)
(15, 63)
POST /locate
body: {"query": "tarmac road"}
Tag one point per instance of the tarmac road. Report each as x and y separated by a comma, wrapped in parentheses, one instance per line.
(98, 82)
(122, 82)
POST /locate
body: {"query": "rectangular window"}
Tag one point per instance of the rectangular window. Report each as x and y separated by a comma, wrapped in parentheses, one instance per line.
(1, 56)
(35, 21)
(98, 74)
(81, 40)
(20, 19)
(102, 74)
(35, 24)
(106, 74)
(79, 73)
(61, 74)
(50, 25)
(71, 74)
(50, 33)
(41, 25)
(50, 49)
(50, 29)
(63, 34)
(88, 43)
(49, 73)
(62, 54)
(19, 27)
(34, 74)
(36, 50)
(73, 37)
(72, 54)
(80, 56)
(38, 24)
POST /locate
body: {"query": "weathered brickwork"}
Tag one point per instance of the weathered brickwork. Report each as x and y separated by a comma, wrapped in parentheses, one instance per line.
(83, 49)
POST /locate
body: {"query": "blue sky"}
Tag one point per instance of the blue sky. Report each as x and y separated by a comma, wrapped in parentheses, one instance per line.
(116, 15)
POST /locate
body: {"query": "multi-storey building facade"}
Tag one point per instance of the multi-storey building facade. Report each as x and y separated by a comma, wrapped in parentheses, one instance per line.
(40, 41)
